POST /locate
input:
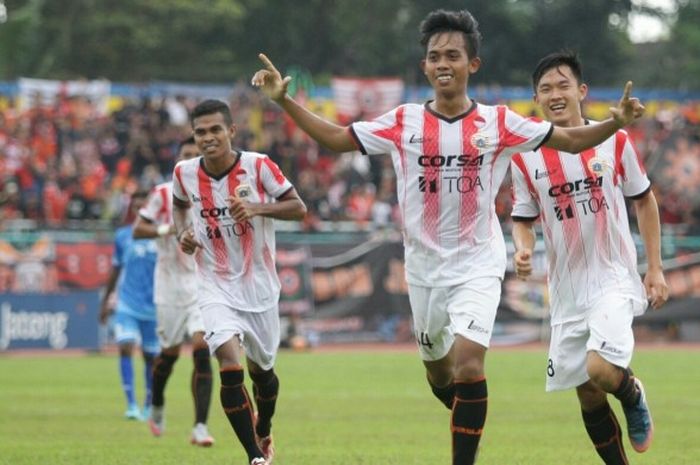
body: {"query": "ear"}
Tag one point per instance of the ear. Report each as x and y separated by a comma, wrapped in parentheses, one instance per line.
(422, 66)
(474, 65)
(583, 90)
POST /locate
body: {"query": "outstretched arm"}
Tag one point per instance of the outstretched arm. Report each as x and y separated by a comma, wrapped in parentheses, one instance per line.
(650, 229)
(577, 139)
(326, 133)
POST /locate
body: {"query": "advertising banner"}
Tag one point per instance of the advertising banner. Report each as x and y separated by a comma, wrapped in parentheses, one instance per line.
(49, 321)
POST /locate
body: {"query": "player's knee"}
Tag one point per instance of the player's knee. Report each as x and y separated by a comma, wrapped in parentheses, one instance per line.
(603, 374)
(266, 382)
(149, 357)
(164, 363)
(469, 370)
(126, 349)
(202, 360)
(590, 396)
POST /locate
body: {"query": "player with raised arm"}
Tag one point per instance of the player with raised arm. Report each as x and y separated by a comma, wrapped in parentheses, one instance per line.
(179, 316)
(134, 319)
(450, 156)
(595, 290)
(234, 196)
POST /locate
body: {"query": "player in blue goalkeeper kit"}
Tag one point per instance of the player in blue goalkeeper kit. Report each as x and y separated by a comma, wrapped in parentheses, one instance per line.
(133, 319)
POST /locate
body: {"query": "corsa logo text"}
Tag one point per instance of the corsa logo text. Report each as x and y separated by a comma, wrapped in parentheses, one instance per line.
(450, 160)
(215, 212)
(575, 186)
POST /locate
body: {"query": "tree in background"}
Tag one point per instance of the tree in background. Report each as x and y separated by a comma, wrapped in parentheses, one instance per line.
(218, 40)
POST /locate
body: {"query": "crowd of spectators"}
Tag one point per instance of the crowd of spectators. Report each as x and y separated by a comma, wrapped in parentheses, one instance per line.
(69, 161)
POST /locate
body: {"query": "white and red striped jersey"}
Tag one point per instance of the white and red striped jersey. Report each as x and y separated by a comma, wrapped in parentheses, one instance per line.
(448, 174)
(175, 278)
(581, 201)
(236, 265)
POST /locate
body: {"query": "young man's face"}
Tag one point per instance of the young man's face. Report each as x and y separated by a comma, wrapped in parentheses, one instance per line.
(447, 64)
(559, 95)
(213, 136)
(187, 151)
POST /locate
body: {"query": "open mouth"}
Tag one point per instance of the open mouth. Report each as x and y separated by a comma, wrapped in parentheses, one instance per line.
(558, 108)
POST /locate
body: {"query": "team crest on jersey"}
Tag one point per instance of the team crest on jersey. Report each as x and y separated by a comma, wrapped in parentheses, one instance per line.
(243, 191)
(598, 165)
(480, 141)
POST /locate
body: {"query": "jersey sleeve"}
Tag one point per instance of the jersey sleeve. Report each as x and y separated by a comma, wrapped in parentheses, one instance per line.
(522, 134)
(179, 191)
(525, 206)
(271, 179)
(381, 135)
(154, 204)
(635, 181)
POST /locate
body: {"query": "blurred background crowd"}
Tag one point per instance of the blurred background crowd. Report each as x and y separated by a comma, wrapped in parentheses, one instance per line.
(68, 161)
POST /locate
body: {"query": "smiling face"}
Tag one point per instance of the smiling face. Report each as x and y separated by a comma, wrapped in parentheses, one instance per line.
(213, 136)
(447, 64)
(559, 94)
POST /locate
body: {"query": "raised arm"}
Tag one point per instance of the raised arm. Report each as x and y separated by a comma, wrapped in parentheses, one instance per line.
(650, 229)
(326, 133)
(577, 139)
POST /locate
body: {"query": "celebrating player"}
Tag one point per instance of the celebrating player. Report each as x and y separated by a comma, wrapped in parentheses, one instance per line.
(177, 308)
(595, 290)
(134, 321)
(234, 196)
(450, 156)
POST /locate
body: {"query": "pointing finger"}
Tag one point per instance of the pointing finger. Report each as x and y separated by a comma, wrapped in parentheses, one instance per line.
(627, 92)
(268, 64)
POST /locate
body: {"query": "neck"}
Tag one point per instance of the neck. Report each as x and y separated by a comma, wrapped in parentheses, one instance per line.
(573, 122)
(452, 106)
(220, 164)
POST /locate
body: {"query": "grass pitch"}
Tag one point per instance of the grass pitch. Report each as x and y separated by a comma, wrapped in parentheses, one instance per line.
(335, 408)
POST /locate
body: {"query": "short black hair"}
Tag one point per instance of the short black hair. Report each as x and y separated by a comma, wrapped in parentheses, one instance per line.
(140, 193)
(440, 21)
(188, 141)
(209, 107)
(555, 60)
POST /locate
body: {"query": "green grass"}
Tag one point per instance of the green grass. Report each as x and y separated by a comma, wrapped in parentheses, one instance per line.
(360, 408)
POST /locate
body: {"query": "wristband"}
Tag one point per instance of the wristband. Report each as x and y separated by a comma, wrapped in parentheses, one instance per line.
(163, 229)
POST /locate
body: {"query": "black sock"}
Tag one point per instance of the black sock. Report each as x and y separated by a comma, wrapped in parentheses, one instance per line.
(627, 393)
(446, 394)
(468, 419)
(162, 368)
(238, 409)
(266, 386)
(604, 431)
(201, 384)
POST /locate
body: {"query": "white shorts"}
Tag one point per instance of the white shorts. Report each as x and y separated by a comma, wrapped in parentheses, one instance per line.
(606, 329)
(177, 322)
(440, 313)
(257, 333)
